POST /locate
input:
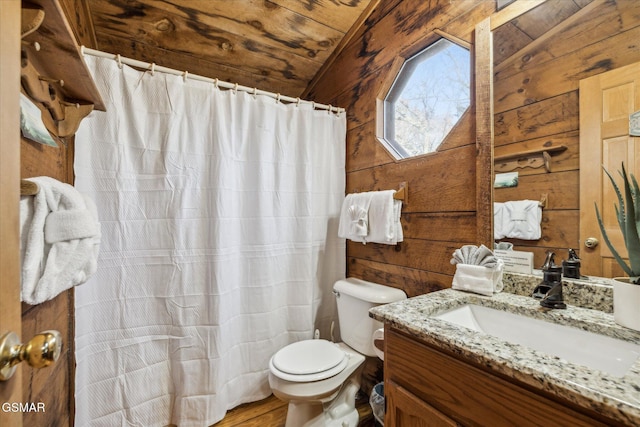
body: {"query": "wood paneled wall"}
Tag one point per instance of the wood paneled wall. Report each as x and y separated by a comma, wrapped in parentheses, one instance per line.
(52, 385)
(539, 60)
(440, 213)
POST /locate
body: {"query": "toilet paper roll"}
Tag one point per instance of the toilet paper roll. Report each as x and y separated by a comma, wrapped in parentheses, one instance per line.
(378, 335)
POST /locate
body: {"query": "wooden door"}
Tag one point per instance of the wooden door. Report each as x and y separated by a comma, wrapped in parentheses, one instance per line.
(606, 101)
(10, 309)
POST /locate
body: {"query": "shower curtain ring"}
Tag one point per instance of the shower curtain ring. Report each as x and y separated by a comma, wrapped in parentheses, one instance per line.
(235, 88)
(277, 98)
(119, 61)
(185, 75)
(297, 102)
(215, 83)
(255, 92)
(330, 108)
(153, 68)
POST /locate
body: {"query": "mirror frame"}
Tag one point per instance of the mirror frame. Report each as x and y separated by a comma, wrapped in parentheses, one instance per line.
(483, 56)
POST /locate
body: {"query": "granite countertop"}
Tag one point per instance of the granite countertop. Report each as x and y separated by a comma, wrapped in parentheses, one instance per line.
(618, 398)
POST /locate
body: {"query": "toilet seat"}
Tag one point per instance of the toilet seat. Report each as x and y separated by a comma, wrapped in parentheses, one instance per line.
(309, 360)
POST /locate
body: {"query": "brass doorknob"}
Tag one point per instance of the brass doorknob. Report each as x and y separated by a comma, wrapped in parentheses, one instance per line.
(42, 350)
(591, 242)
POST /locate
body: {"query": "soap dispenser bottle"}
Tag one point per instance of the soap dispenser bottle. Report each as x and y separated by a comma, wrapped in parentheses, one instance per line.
(571, 266)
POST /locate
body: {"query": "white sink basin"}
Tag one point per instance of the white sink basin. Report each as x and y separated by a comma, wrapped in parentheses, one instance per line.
(596, 351)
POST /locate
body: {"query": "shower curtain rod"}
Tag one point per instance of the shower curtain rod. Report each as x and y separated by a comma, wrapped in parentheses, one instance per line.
(219, 83)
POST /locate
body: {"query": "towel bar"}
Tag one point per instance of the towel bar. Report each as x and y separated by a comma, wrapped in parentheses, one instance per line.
(543, 200)
(401, 193)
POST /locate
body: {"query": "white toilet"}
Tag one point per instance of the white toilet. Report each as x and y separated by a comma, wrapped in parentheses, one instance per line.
(319, 378)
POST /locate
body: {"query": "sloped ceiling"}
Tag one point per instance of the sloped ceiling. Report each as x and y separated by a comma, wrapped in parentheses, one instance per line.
(275, 45)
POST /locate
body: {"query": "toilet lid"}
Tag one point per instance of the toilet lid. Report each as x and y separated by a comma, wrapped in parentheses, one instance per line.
(310, 358)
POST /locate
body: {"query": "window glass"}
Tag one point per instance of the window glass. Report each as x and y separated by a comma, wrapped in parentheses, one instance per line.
(427, 98)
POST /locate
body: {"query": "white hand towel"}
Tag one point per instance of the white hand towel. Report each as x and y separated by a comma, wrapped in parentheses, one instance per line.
(354, 217)
(498, 221)
(372, 216)
(397, 211)
(60, 236)
(478, 279)
(522, 219)
(384, 218)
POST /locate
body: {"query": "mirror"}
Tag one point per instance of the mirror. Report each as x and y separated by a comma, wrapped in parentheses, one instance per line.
(539, 59)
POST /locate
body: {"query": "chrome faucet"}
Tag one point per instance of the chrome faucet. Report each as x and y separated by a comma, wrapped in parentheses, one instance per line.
(550, 290)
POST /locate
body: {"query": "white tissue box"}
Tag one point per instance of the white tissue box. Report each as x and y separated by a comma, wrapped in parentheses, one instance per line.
(478, 279)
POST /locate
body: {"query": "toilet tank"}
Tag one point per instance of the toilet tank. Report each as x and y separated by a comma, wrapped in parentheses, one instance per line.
(354, 298)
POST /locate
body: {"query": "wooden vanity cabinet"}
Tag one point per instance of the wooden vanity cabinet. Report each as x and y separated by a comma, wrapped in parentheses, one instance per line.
(405, 409)
(425, 386)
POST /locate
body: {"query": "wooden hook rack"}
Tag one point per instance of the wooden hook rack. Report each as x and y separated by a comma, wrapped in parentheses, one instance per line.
(531, 158)
(53, 74)
(28, 188)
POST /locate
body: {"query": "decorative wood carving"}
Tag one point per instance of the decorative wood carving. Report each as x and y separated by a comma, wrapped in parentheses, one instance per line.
(53, 73)
(32, 17)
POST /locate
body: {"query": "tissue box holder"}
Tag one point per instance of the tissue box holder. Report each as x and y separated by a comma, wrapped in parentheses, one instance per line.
(478, 279)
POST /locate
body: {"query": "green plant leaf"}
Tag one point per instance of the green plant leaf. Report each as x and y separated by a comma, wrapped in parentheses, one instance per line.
(628, 216)
(617, 256)
(619, 213)
(630, 232)
(636, 198)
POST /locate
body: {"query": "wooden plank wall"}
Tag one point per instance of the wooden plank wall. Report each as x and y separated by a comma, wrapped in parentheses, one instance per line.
(53, 385)
(539, 60)
(440, 213)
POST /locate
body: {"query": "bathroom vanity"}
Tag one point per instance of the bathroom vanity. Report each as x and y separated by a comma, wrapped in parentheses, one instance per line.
(438, 372)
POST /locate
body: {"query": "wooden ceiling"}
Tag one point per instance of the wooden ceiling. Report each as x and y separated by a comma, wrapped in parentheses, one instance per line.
(275, 45)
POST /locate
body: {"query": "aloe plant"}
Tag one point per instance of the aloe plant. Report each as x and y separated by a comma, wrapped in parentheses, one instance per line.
(628, 215)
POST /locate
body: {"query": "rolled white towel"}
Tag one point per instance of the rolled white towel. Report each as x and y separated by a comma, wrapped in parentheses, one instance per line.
(60, 236)
(474, 255)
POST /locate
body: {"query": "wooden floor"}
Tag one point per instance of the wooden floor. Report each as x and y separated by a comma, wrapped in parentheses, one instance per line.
(272, 412)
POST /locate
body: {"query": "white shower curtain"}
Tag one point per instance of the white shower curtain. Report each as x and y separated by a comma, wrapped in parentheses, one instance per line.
(219, 216)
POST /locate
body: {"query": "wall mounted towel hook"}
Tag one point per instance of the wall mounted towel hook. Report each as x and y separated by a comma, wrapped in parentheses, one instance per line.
(28, 188)
(402, 192)
(544, 198)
